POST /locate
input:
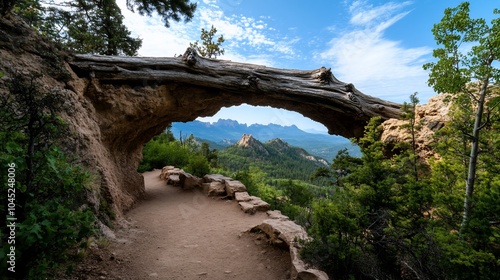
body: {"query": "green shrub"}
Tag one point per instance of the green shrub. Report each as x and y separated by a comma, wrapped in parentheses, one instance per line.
(198, 166)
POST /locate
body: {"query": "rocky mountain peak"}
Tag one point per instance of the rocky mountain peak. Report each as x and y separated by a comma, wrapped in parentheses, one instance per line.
(246, 141)
(279, 143)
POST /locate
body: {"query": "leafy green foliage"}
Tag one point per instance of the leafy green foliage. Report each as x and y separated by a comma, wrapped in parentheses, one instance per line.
(209, 48)
(186, 153)
(198, 166)
(456, 69)
(391, 218)
(50, 190)
(471, 252)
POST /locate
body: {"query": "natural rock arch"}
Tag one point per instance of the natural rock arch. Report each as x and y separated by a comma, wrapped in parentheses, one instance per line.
(135, 98)
(187, 87)
(116, 104)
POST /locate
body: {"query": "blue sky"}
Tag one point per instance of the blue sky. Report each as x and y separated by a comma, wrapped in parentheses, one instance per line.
(379, 46)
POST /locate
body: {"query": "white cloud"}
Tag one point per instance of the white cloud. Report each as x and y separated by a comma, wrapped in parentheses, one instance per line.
(364, 14)
(247, 39)
(365, 57)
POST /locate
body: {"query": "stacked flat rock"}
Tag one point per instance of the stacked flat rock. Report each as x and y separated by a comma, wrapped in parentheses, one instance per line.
(251, 204)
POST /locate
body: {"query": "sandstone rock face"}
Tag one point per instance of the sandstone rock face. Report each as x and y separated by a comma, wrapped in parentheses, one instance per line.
(431, 116)
(247, 141)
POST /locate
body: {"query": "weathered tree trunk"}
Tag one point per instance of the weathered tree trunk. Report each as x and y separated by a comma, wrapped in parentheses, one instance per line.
(474, 153)
(317, 94)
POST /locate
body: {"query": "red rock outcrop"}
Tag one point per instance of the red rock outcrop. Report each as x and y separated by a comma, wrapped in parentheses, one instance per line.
(430, 117)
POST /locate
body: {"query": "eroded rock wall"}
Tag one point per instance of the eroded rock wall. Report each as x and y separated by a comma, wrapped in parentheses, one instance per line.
(430, 117)
(24, 51)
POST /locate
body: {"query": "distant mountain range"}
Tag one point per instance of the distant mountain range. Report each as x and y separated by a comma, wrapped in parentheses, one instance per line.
(224, 133)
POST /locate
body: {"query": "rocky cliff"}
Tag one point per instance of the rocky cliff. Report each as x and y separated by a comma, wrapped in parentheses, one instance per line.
(430, 117)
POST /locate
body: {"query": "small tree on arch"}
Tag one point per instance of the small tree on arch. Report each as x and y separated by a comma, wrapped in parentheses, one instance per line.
(209, 48)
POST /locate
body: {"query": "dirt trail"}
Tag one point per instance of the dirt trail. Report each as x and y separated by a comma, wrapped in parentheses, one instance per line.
(177, 234)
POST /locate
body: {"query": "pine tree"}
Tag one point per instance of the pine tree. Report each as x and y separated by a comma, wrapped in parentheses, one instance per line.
(95, 26)
(209, 48)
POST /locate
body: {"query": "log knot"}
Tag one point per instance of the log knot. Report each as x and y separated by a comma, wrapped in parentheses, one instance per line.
(351, 96)
(190, 56)
(325, 76)
(251, 81)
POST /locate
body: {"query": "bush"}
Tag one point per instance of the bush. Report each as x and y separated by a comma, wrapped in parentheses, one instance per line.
(198, 166)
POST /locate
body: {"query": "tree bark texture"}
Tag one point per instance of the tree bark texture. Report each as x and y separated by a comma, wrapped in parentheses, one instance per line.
(316, 94)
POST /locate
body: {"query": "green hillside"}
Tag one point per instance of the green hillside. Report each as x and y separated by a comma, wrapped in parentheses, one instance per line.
(276, 158)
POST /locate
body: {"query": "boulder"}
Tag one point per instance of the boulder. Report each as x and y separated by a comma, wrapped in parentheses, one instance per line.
(242, 196)
(251, 204)
(301, 270)
(215, 178)
(163, 174)
(234, 186)
(259, 204)
(247, 207)
(282, 232)
(214, 188)
(189, 182)
(276, 214)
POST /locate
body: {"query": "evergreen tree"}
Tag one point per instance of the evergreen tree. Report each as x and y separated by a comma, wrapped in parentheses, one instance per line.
(166, 9)
(209, 48)
(95, 26)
